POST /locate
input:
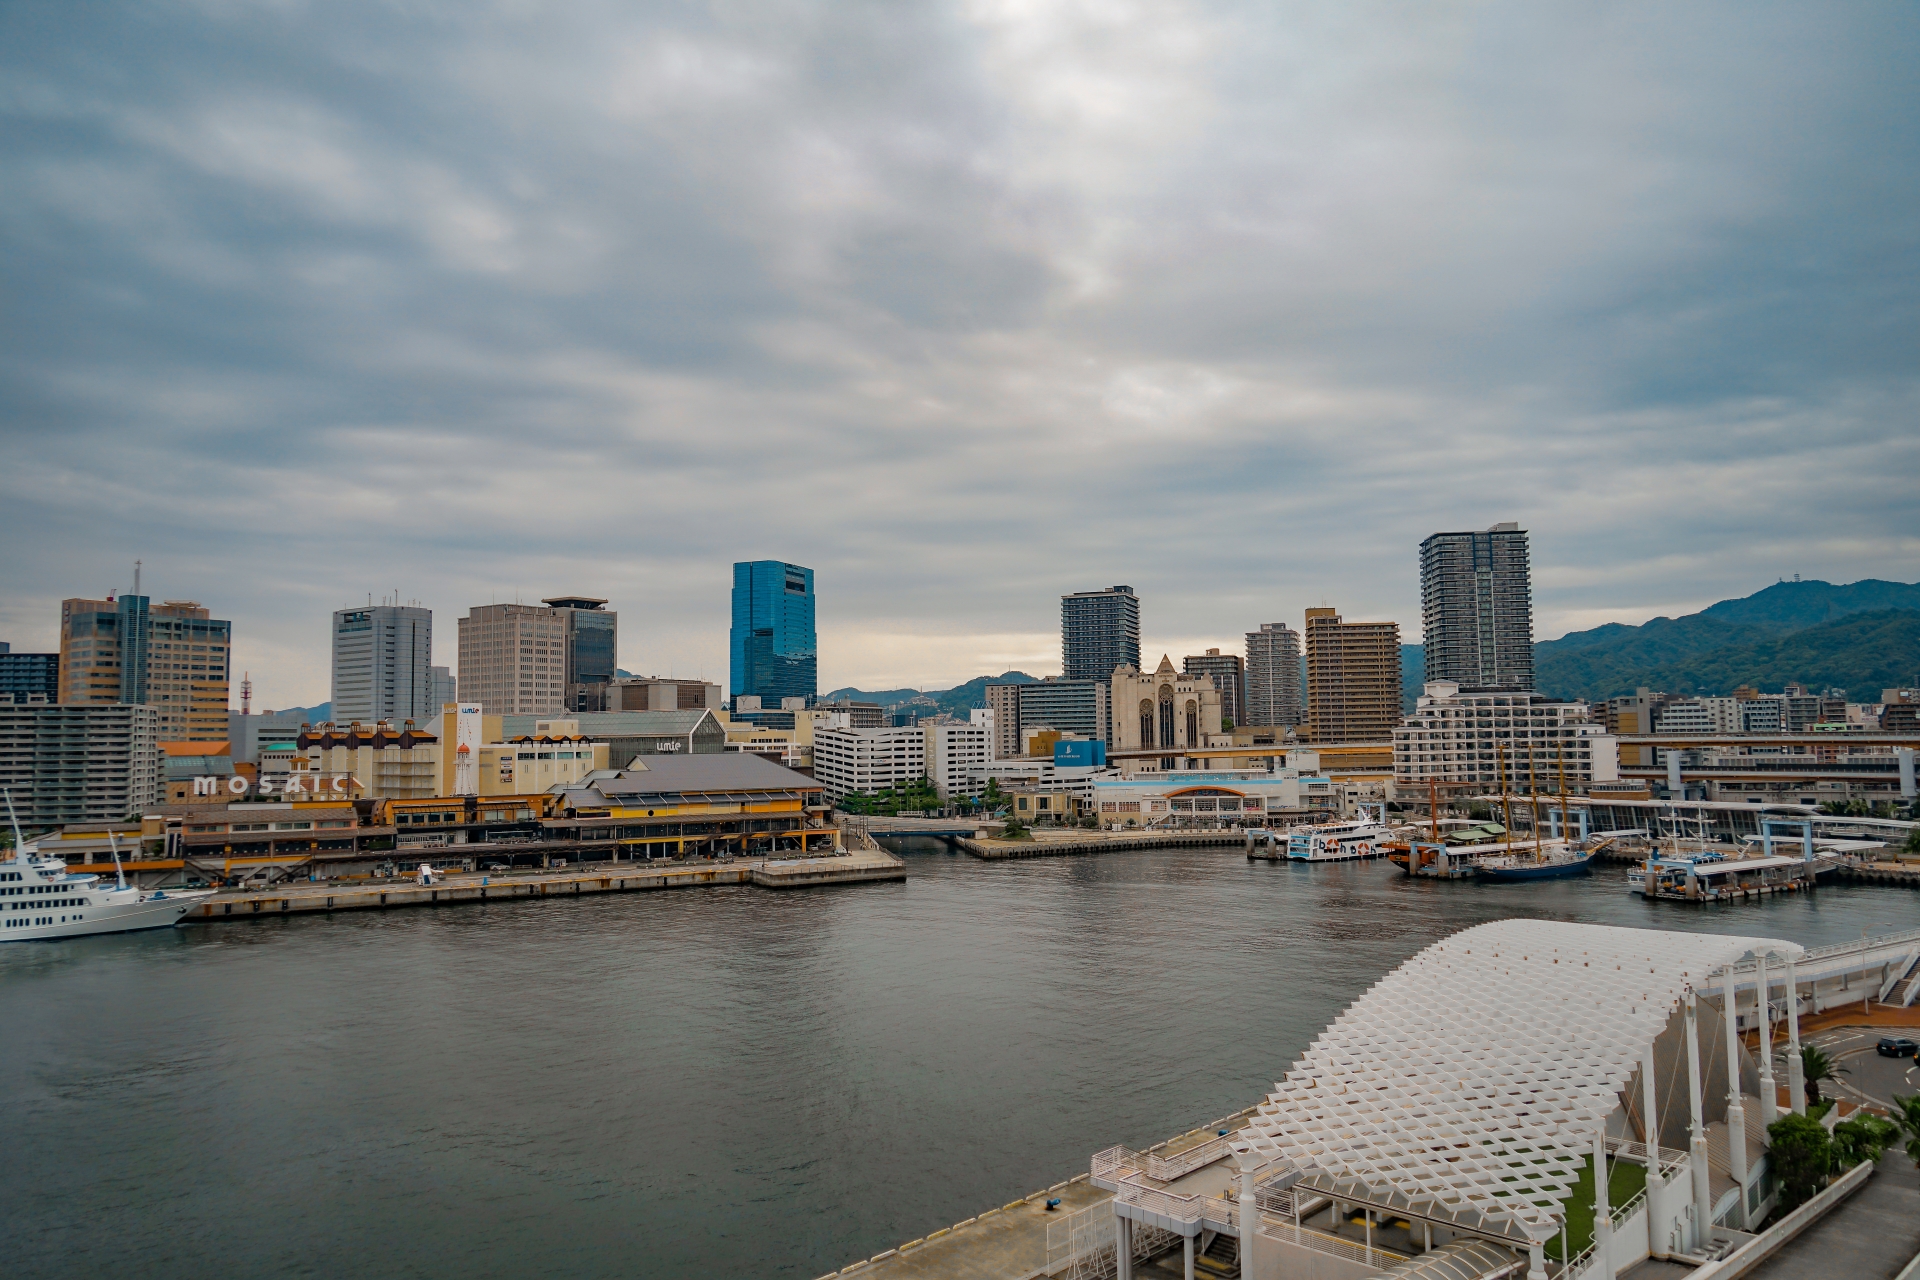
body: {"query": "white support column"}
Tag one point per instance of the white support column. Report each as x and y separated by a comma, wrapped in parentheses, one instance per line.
(1602, 1221)
(1650, 1131)
(1536, 1261)
(1736, 1113)
(1796, 1069)
(1187, 1241)
(1249, 1215)
(1769, 1088)
(1697, 1145)
(1123, 1247)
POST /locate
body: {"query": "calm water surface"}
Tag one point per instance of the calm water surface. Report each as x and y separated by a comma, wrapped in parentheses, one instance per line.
(707, 1082)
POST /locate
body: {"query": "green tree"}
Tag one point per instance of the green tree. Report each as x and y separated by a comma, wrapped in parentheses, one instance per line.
(1013, 829)
(1801, 1155)
(992, 796)
(1817, 1066)
(1906, 1116)
(1863, 1139)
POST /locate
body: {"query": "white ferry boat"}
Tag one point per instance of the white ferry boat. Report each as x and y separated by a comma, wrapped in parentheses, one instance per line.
(1362, 837)
(39, 899)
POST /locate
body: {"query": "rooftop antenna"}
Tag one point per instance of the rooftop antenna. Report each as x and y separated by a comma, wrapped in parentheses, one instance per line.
(136, 577)
(19, 841)
(246, 693)
(119, 872)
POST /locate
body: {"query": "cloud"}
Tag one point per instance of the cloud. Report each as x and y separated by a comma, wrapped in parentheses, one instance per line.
(964, 305)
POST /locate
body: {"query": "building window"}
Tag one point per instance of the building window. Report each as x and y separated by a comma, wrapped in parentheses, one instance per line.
(1166, 722)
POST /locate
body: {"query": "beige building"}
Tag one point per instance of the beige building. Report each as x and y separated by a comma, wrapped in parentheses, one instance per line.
(513, 659)
(1162, 710)
(1353, 678)
(173, 657)
(388, 763)
(659, 693)
(1506, 739)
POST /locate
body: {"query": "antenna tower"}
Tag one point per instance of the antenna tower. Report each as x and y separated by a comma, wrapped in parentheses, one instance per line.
(246, 693)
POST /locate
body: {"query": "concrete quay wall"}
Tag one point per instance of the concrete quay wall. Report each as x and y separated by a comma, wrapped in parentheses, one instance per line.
(303, 897)
(998, 850)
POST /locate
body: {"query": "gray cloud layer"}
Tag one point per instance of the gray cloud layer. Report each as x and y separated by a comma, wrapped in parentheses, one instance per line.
(963, 305)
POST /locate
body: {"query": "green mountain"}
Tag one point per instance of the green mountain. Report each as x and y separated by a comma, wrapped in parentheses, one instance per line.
(956, 701)
(1702, 652)
(1862, 653)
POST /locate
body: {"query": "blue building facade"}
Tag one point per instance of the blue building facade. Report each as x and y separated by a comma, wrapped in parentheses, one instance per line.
(773, 651)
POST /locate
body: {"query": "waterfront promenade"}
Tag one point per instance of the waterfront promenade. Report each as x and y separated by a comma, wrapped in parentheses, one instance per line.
(306, 897)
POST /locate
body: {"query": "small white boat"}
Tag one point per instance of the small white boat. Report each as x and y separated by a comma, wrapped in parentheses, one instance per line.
(40, 900)
(1361, 837)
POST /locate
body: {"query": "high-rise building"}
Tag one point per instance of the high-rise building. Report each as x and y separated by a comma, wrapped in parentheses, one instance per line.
(96, 763)
(773, 651)
(1274, 677)
(1083, 707)
(172, 656)
(1476, 608)
(537, 660)
(29, 675)
(445, 688)
(1353, 678)
(1229, 674)
(383, 664)
(1099, 630)
(593, 645)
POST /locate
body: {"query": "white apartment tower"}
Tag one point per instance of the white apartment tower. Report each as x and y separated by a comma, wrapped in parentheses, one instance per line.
(383, 665)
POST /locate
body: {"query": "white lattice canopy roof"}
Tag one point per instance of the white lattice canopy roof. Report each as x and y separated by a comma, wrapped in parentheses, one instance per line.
(1469, 1083)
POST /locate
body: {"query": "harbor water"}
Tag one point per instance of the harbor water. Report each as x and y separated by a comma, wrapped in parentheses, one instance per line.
(720, 1081)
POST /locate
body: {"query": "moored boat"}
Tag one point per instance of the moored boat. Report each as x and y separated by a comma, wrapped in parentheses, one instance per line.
(40, 899)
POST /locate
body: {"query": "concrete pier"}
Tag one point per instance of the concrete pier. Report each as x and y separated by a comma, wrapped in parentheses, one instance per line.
(300, 896)
(1050, 846)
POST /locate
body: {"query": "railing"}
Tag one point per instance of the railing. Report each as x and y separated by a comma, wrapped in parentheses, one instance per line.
(1167, 1169)
(1578, 1264)
(1114, 1163)
(1669, 1158)
(1321, 1242)
(1845, 950)
(1217, 1212)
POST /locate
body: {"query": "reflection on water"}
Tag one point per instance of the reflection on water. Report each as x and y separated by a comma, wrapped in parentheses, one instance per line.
(712, 1081)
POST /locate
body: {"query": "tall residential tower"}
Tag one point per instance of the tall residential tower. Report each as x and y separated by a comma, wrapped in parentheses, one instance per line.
(1274, 678)
(1476, 608)
(1353, 678)
(1099, 631)
(171, 656)
(772, 648)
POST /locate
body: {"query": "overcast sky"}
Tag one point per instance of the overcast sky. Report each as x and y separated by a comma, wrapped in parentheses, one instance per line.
(964, 306)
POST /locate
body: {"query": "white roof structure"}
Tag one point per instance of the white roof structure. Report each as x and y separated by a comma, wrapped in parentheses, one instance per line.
(1468, 1085)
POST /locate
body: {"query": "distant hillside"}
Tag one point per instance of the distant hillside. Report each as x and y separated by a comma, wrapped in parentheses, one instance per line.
(956, 701)
(1698, 652)
(1863, 654)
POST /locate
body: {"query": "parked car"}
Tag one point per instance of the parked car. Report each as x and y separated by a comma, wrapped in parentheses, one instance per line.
(1897, 1047)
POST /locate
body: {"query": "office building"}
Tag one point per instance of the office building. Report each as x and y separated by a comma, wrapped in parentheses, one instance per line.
(1229, 672)
(445, 688)
(249, 735)
(1353, 678)
(172, 656)
(79, 763)
(773, 652)
(1099, 631)
(855, 761)
(593, 650)
(1275, 678)
(1082, 707)
(1476, 608)
(383, 664)
(1699, 715)
(1162, 710)
(522, 659)
(1491, 739)
(29, 675)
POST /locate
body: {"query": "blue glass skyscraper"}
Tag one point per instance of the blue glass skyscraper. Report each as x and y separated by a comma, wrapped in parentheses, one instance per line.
(773, 650)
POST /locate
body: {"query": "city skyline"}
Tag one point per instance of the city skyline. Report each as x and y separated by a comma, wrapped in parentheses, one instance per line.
(915, 301)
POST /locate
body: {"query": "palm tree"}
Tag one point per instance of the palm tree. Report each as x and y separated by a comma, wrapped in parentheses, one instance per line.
(1817, 1066)
(1906, 1114)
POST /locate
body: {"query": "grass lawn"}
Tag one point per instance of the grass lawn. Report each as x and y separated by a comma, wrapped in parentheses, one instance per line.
(1624, 1182)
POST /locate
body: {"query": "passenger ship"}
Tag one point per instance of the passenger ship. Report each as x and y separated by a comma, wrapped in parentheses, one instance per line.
(1361, 837)
(40, 900)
